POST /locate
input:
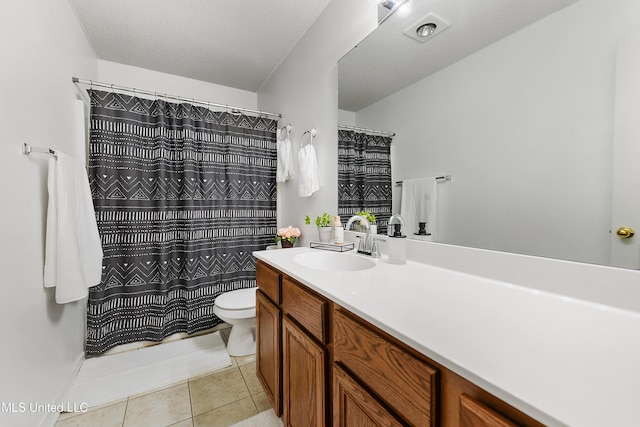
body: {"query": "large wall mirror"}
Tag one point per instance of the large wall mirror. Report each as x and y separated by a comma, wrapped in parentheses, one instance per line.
(515, 101)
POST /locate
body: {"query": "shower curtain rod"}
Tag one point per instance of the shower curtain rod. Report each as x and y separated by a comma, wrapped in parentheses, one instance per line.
(373, 131)
(135, 91)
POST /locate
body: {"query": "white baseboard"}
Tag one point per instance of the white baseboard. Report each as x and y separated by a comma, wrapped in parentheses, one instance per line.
(51, 418)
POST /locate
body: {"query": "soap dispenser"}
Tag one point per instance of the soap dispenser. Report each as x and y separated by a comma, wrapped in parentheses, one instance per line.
(397, 241)
(338, 230)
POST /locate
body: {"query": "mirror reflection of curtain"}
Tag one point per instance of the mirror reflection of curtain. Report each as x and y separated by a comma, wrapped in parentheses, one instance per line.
(183, 196)
(364, 176)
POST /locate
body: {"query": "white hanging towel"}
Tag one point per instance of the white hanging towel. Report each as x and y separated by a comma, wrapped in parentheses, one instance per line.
(309, 180)
(284, 167)
(420, 204)
(73, 252)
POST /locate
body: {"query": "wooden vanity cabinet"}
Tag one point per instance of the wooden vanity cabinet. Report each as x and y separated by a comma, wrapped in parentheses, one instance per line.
(475, 414)
(464, 404)
(269, 350)
(353, 405)
(321, 365)
(305, 355)
(304, 377)
(400, 380)
(269, 334)
(292, 361)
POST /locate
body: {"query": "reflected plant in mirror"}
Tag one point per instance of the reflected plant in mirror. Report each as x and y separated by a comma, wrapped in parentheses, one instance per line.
(522, 105)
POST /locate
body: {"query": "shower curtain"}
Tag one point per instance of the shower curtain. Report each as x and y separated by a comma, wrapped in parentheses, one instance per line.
(183, 195)
(364, 176)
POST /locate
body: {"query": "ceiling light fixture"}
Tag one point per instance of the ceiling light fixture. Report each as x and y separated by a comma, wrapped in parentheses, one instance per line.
(403, 6)
(389, 4)
(425, 30)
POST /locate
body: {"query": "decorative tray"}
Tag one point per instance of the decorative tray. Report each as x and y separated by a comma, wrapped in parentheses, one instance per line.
(330, 246)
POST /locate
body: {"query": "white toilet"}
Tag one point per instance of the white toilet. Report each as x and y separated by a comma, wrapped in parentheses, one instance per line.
(238, 308)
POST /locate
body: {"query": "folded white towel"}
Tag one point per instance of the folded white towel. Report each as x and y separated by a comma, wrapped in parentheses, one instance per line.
(309, 180)
(73, 253)
(284, 169)
(420, 204)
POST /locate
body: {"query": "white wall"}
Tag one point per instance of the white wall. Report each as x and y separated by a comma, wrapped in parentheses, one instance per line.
(304, 89)
(346, 117)
(43, 47)
(140, 78)
(525, 127)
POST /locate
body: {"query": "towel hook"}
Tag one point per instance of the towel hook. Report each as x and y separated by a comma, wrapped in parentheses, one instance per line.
(287, 128)
(302, 138)
(312, 133)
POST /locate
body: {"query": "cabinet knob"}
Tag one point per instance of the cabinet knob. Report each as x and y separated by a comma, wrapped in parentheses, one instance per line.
(625, 232)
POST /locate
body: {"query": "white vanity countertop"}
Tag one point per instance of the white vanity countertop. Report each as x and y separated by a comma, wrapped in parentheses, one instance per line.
(562, 360)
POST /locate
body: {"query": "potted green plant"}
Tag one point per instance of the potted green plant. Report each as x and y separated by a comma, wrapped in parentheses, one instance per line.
(323, 222)
(372, 222)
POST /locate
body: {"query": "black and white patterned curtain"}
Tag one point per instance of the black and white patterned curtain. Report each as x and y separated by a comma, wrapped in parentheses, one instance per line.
(183, 195)
(364, 176)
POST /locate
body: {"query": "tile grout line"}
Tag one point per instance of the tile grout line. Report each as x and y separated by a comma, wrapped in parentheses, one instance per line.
(190, 402)
(249, 390)
(126, 407)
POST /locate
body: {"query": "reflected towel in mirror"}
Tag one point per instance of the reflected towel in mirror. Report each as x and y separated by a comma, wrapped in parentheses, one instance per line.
(419, 204)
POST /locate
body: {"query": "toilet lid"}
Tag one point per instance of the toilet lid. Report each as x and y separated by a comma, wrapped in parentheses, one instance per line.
(241, 299)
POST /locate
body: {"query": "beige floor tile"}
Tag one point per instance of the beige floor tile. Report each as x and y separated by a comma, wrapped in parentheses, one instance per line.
(250, 378)
(67, 415)
(171, 385)
(217, 390)
(108, 416)
(161, 408)
(245, 360)
(261, 401)
(185, 423)
(226, 415)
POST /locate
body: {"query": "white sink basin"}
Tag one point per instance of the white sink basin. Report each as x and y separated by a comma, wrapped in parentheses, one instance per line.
(330, 261)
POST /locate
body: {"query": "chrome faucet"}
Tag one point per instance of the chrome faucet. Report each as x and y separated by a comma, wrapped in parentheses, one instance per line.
(364, 247)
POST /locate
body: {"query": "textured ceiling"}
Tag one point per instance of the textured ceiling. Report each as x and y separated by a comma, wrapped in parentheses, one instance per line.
(387, 60)
(239, 43)
(236, 43)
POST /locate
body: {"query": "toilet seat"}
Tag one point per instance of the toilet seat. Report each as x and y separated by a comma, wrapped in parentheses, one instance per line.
(239, 304)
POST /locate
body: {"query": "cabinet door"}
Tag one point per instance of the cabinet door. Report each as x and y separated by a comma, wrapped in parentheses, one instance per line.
(304, 371)
(268, 350)
(475, 414)
(353, 406)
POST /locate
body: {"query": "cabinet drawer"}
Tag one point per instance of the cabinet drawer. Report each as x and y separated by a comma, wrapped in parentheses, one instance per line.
(405, 383)
(306, 308)
(268, 280)
(475, 414)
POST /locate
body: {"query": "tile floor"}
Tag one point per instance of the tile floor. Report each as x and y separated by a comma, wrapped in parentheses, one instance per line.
(216, 399)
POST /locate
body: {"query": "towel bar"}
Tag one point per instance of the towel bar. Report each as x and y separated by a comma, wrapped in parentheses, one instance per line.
(438, 178)
(28, 149)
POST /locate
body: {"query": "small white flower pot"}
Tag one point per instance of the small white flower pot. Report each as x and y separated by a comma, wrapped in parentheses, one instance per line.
(324, 234)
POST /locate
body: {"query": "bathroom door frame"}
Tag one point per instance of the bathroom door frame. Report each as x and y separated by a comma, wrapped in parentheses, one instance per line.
(625, 204)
